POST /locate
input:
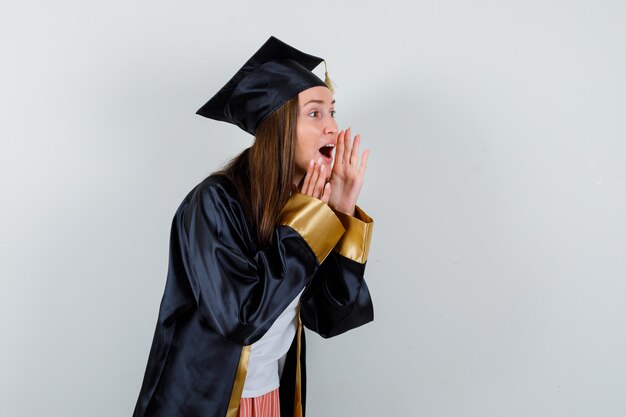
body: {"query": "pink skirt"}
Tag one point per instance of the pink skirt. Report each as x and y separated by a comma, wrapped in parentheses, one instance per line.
(267, 405)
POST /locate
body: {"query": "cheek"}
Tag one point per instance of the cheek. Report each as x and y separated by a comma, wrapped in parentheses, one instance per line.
(301, 157)
(304, 147)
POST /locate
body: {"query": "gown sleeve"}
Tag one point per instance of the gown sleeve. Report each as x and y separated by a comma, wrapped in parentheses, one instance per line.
(238, 289)
(337, 299)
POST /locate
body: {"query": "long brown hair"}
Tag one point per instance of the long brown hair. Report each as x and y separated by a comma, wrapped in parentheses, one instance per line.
(263, 173)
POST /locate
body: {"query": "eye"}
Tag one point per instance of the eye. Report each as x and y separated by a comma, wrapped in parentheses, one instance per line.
(333, 113)
(314, 113)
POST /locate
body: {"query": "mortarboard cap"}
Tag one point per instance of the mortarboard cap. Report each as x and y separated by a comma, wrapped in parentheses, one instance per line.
(276, 73)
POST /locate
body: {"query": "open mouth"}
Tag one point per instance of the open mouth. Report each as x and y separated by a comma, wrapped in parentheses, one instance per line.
(327, 150)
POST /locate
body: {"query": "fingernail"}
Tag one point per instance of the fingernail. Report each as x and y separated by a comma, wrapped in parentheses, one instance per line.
(322, 168)
(319, 161)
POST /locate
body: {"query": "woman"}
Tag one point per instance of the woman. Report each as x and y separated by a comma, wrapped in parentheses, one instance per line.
(260, 249)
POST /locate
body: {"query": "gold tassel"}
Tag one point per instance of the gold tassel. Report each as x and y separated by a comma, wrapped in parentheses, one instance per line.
(327, 80)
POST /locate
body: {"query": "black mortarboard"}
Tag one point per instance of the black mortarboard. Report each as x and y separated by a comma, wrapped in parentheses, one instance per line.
(273, 75)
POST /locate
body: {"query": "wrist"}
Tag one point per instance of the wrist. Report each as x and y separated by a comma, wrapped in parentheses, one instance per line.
(350, 211)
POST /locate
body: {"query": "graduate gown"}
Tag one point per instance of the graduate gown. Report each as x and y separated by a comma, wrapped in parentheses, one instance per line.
(223, 292)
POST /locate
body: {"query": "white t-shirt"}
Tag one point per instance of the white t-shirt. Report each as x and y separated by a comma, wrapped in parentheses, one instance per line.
(267, 355)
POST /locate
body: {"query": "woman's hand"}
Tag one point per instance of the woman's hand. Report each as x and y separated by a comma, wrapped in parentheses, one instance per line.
(314, 183)
(347, 174)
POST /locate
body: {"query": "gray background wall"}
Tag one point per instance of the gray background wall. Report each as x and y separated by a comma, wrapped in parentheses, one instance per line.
(497, 181)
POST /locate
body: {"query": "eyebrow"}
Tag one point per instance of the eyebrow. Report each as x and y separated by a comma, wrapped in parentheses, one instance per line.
(317, 101)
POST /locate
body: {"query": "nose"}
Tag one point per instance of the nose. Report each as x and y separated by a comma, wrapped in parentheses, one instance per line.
(331, 126)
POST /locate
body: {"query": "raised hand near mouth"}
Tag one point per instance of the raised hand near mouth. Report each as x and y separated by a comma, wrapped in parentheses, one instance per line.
(347, 175)
(314, 183)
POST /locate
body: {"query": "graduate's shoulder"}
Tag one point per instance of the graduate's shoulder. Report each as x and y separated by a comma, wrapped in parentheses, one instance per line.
(214, 193)
(214, 186)
(216, 183)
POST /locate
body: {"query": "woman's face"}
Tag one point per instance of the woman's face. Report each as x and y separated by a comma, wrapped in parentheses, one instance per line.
(316, 130)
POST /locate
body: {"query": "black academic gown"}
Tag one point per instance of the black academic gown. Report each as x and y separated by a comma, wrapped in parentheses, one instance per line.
(223, 292)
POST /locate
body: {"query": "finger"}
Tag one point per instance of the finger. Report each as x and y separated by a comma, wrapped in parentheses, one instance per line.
(363, 166)
(347, 147)
(307, 178)
(339, 149)
(314, 177)
(326, 196)
(354, 155)
(319, 184)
